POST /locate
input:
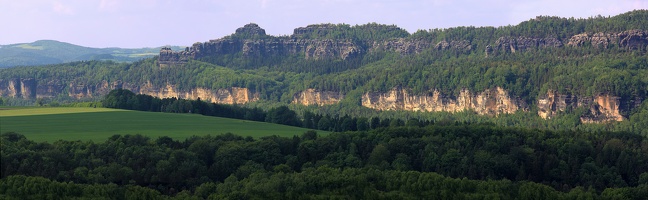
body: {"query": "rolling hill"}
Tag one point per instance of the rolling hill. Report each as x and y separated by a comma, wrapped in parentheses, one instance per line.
(45, 52)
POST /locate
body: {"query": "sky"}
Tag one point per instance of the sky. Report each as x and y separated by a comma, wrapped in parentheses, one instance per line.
(155, 23)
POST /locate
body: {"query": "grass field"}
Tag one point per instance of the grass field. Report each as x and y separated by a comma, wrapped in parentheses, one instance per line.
(97, 124)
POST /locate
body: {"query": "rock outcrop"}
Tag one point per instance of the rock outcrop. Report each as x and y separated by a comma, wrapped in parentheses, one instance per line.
(314, 97)
(552, 103)
(601, 108)
(49, 89)
(402, 46)
(314, 43)
(631, 39)
(251, 30)
(250, 40)
(515, 44)
(316, 30)
(81, 90)
(605, 108)
(234, 95)
(311, 49)
(490, 102)
(170, 57)
(19, 88)
(29, 88)
(410, 47)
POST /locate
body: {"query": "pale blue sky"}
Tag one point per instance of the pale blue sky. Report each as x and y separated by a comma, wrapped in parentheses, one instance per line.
(153, 23)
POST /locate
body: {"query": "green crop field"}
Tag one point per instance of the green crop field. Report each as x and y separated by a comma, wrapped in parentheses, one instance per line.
(98, 124)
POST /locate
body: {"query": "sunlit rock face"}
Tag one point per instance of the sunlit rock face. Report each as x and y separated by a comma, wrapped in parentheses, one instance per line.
(24, 88)
(314, 97)
(601, 108)
(489, 102)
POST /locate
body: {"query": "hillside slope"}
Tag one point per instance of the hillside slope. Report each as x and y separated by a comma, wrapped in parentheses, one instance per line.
(595, 70)
(44, 52)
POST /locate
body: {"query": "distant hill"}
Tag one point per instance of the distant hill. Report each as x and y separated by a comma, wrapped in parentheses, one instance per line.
(44, 52)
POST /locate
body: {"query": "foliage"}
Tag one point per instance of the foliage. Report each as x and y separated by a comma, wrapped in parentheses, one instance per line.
(412, 162)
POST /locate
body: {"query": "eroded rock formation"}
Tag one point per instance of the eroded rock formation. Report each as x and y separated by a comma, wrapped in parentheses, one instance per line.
(19, 88)
(515, 44)
(314, 97)
(314, 30)
(250, 40)
(251, 30)
(601, 108)
(29, 89)
(313, 43)
(490, 102)
(409, 46)
(170, 57)
(234, 95)
(631, 39)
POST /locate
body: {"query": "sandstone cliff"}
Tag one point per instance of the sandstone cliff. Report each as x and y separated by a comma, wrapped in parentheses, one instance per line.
(415, 46)
(18, 88)
(312, 43)
(601, 108)
(251, 41)
(50, 89)
(632, 39)
(490, 102)
(29, 89)
(169, 57)
(314, 97)
(234, 95)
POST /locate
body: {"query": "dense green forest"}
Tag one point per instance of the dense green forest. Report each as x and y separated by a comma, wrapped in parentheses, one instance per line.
(436, 161)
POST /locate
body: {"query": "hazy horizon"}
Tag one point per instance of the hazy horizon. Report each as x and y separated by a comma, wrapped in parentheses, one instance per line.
(155, 23)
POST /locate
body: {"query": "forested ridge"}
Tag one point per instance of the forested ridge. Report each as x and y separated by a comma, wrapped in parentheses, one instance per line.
(528, 73)
(371, 154)
(436, 161)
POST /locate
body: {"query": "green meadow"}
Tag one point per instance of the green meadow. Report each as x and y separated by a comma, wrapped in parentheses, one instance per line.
(98, 124)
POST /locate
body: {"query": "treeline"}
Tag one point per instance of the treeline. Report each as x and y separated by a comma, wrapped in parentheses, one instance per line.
(435, 161)
(337, 183)
(125, 99)
(540, 27)
(359, 33)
